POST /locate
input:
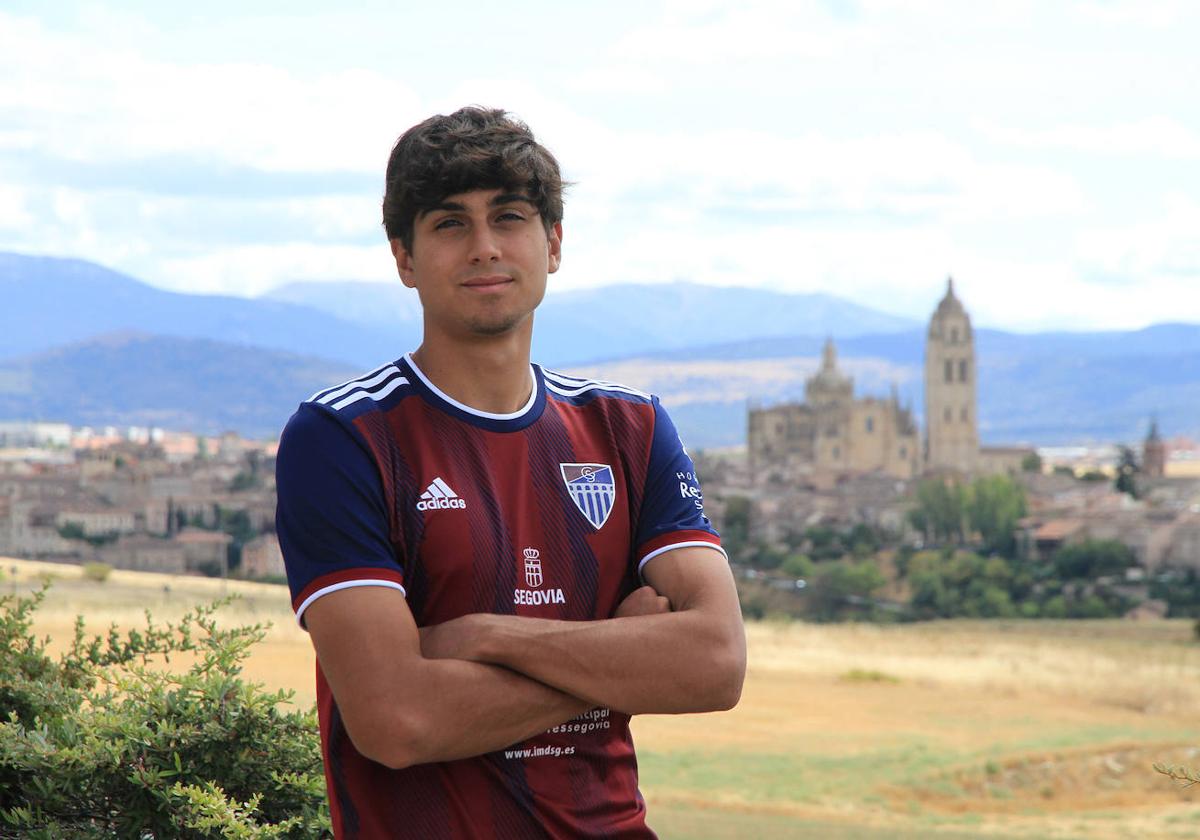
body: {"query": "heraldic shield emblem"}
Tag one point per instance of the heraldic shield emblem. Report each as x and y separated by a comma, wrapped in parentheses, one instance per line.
(533, 568)
(592, 489)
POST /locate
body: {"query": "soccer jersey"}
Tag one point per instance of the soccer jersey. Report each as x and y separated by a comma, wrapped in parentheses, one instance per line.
(551, 511)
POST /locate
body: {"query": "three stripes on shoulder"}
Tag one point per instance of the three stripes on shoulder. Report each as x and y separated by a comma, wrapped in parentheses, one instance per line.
(374, 385)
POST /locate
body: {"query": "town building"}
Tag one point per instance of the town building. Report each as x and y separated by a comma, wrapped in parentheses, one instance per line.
(834, 434)
(1154, 453)
(951, 399)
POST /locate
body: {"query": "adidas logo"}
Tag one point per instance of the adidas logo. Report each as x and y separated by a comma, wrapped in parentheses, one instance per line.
(439, 496)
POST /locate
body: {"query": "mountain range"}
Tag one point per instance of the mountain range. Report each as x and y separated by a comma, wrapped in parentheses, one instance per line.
(87, 345)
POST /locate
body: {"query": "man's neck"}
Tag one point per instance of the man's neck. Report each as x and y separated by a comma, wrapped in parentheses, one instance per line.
(489, 375)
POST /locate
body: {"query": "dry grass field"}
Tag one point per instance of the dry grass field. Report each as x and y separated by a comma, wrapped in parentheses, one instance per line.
(941, 730)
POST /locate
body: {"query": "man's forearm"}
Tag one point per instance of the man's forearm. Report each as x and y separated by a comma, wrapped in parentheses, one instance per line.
(471, 708)
(674, 662)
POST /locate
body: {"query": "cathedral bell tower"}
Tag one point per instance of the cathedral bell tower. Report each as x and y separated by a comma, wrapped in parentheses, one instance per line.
(951, 425)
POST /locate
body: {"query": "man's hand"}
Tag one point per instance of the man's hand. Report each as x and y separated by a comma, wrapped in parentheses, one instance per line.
(644, 600)
(402, 707)
(685, 652)
(458, 638)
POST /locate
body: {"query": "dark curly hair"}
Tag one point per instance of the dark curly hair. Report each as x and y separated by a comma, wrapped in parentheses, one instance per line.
(474, 148)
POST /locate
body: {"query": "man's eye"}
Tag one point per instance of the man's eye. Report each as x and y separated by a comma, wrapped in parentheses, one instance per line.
(446, 223)
(510, 216)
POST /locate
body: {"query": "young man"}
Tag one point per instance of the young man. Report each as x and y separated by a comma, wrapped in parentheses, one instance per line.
(467, 535)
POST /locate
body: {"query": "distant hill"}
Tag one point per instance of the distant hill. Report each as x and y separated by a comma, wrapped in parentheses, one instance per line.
(50, 301)
(622, 319)
(374, 304)
(210, 363)
(1042, 388)
(175, 383)
(1036, 393)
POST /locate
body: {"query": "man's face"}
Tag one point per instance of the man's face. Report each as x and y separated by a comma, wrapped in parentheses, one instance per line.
(479, 261)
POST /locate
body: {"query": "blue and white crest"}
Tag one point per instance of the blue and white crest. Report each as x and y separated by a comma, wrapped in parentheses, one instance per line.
(592, 490)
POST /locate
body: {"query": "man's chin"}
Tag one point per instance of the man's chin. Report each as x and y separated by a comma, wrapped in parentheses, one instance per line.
(491, 327)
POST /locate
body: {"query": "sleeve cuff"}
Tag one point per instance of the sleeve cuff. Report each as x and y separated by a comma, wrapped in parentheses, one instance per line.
(345, 579)
(677, 539)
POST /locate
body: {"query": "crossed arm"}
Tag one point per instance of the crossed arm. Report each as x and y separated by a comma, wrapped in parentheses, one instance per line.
(482, 682)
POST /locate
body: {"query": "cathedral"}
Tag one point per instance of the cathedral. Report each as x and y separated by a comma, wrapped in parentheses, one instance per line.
(833, 432)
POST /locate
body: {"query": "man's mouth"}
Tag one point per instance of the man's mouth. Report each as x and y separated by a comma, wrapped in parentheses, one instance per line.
(488, 281)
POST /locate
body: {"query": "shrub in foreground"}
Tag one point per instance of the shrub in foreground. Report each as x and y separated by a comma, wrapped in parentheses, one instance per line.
(109, 740)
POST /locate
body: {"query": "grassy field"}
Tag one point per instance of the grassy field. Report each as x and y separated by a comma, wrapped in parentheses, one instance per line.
(940, 730)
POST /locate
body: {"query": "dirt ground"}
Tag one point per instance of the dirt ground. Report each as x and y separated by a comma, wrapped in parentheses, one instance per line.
(946, 729)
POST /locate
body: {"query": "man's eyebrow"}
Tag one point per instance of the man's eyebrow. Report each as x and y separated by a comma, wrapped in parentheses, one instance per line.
(510, 198)
(459, 207)
(451, 206)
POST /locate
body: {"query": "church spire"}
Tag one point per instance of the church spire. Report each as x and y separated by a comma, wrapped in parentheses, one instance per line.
(829, 356)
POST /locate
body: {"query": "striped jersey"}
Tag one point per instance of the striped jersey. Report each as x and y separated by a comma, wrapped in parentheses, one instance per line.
(551, 511)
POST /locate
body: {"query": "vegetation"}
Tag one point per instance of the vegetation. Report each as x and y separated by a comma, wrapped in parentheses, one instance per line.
(1127, 472)
(107, 740)
(74, 531)
(990, 507)
(97, 572)
(972, 566)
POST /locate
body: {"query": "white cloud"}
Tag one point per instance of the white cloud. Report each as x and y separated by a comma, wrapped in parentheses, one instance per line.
(253, 269)
(866, 153)
(15, 215)
(1155, 249)
(126, 106)
(1157, 136)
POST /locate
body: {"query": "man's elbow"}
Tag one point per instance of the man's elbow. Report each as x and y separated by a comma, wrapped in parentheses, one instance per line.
(394, 744)
(729, 674)
(724, 672)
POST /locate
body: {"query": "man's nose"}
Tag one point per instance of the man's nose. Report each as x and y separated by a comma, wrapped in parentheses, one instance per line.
(484, 246)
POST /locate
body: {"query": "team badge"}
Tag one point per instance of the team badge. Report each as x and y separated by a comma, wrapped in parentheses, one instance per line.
(592, 489)
(533, 568)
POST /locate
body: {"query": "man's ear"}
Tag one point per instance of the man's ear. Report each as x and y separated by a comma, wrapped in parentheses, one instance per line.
(554, 243)
(404, 262)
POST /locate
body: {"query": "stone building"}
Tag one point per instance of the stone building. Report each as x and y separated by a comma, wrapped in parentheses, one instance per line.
(262, 557)
(204, 550)
(145, 554)
(1154, 453)
(831, 432)
(834, 434)
(951, 425)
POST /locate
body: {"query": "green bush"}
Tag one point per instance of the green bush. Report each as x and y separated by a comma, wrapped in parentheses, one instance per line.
(1092, 559)
(97, 572)
(797, 566)
(108, 741)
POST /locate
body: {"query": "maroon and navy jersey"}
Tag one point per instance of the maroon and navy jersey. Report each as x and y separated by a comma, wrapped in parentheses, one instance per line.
(551, 511)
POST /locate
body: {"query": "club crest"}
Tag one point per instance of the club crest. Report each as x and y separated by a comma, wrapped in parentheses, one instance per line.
(592, 489)
(533, 568)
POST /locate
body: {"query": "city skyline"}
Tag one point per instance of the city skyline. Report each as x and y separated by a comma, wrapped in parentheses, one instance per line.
(1044, 156)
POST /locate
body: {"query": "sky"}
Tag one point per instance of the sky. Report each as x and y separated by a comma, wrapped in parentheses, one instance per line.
(1045, 154)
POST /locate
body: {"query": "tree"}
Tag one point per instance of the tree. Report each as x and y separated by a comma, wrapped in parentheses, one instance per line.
(1031, 463)
(1127, 472)
(995, 504)
(797, 566)
(1092, 559)
(946, 584)
(735, 525)
(842, 587)
(940, 510)
(107, 741)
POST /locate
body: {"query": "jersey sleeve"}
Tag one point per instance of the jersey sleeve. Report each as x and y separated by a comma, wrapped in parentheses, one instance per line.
(672, 514)
(331, 517)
